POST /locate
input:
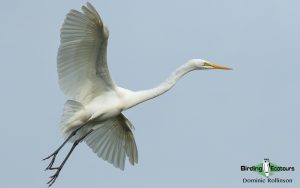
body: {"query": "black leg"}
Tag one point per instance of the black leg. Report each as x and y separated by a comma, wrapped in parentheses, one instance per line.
(53, 155)
(58, 169)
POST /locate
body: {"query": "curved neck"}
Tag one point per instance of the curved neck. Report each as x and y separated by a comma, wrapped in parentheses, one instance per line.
(144, 95)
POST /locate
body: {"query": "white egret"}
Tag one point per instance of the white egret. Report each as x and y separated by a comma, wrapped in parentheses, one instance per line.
(94, 111)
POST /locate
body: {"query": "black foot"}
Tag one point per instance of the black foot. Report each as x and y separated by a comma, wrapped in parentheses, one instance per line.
(53, 155)
(54, 176)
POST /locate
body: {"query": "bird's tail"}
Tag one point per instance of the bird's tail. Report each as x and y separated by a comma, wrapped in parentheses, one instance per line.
(71, 107)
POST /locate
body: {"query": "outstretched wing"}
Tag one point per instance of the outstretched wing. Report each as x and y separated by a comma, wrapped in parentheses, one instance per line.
(81, 59)
(113, 140)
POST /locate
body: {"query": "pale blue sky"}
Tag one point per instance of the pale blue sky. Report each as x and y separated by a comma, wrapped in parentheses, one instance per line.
(196, 135)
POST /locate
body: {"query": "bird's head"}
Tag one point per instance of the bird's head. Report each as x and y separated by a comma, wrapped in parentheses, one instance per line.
(204, 65)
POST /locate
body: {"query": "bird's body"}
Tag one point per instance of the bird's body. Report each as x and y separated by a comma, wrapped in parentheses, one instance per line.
(101, 108)
(94, 111)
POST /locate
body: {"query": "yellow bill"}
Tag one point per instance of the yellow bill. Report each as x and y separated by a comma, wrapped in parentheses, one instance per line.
(215, 66)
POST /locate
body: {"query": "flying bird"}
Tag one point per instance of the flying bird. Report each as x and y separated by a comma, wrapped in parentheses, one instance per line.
(93, 113)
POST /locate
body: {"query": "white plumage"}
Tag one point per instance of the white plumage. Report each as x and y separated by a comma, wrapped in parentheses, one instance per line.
(84, 76)
(93, 113)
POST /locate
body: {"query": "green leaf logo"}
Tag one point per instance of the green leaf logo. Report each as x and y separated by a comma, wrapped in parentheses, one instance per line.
(273, 170)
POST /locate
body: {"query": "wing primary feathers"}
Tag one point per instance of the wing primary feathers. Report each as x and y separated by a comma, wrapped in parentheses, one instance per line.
(113, 141)
(81, 59)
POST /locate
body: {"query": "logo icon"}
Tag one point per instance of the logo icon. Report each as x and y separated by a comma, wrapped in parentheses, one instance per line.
(267, 169)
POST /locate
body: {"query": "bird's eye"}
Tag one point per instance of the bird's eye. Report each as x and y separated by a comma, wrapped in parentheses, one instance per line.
(206, 64)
